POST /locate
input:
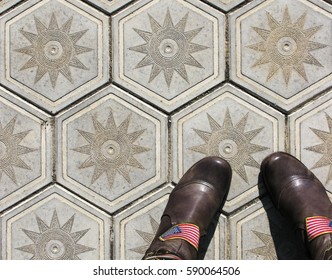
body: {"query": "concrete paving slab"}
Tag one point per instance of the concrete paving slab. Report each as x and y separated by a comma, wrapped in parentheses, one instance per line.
(310, 136)
(259, 232)
(280, 50)
(112, 148)
(54, 52)
(25, 149)
(234, 126)
(55, 225)
(170, 51)
(107, 103)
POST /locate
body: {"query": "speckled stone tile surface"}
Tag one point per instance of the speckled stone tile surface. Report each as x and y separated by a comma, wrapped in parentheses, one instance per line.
(281, 50)
(169, 52)
(54, 51)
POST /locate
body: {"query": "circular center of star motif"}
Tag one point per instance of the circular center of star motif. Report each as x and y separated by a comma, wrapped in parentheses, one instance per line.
(111, 149)
(168, 48)
(228, 148)
(3, 150)
(287, 46)
(229, 144)
(55, 244)
(55, 249)
(54, 49)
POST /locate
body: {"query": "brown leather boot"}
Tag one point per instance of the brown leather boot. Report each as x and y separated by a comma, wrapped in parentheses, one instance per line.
(192, 204)
(301, 197)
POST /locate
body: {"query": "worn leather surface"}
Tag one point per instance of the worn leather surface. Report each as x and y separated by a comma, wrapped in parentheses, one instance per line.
(298, 194)
(200, 193)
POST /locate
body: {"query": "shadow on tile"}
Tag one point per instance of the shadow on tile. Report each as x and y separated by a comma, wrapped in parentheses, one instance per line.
(287, 245)
(206, 240)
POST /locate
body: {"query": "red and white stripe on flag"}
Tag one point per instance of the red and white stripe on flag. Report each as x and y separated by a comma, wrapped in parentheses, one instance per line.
(188, 232)
(318, 225)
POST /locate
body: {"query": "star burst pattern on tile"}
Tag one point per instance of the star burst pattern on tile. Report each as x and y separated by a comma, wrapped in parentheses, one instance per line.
(53, 50)
(55, 242)
(111, 149)
(168, 48)
(147, 237)
(230, 142)
(287, 46)
(324, 148)
(268, 250)
(11, 150)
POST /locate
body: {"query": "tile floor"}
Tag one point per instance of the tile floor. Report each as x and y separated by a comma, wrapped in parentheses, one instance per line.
(105, 104)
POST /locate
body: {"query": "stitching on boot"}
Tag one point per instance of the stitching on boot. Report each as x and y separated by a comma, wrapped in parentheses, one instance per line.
(162, 254)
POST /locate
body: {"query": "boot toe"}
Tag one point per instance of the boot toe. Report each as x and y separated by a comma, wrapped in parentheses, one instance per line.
(298, 194)
(293, 188)
(213, 171)
(201, 192)
(278, 170)
(195, 200)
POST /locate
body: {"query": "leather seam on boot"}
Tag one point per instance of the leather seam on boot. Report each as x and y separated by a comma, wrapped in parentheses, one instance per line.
(288, 185)
(201, 182)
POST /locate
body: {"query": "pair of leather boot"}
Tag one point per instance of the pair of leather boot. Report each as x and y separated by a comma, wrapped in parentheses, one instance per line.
(202, 191)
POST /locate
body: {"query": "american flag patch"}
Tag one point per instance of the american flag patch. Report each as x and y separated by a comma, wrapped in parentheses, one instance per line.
(188, 232)
(318, 225)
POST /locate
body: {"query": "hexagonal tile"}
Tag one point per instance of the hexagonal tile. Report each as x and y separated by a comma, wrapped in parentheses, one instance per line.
(225, 5)
(136, 227)
(280, 50)
(54, 52)
(69, 115)
(113, 148)
(311, 138)
(260, 232)
(55, 225)
(25, 149)
(109, 6)
(168, 52)
(230, 124)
